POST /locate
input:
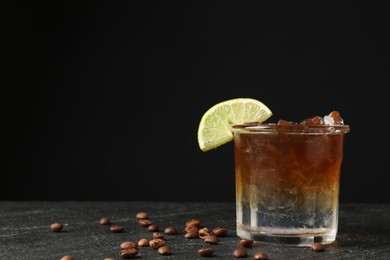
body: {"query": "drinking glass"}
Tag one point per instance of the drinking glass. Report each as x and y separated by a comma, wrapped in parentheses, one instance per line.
(287, 182)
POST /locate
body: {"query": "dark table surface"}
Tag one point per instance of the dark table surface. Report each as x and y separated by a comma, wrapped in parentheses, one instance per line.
(364, 231)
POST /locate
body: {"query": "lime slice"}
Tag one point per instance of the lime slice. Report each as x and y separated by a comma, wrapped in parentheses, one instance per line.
(214, 127)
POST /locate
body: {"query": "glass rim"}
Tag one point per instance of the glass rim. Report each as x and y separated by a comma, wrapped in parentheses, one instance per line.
(290, 129)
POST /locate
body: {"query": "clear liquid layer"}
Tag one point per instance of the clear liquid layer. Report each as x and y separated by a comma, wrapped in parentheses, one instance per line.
(298, 227)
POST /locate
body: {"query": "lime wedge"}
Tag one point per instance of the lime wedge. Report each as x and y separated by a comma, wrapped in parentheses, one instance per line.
(214, 127)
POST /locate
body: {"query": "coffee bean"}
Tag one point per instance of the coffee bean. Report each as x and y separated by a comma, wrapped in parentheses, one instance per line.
(128, 244)
(153, 228)
(143, 242)
(317, 247)
(170, 230)
(156, 243)
(206, 251)
(145, 222)
(128, 253)
(117, 229)
(56, 227)
(68, 257)
(246, 242)
(109, 258)
(204, 232)
(192, 234)
(193, 222)
(158, 235)
(188, 228)
(211, 239)
(221, 232)
(142, 215)
(240, 252)
(164, 250)
(104, 221)
(260, 256)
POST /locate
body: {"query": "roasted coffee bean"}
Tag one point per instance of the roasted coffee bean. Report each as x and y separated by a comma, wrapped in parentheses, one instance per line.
(153, 228)
(143, 242)
(221, 232)
(240, 252)
(104, 221)
(204, 232)
(260, 256)
(156, 243)
(246, 242)
(206, 251)
(109, 258)
(56, 227)
(128, 253)
(170, 230)
(317, 247)
(158, 235)
(164, 250)
(211, 239)
(192, 234)
(142, 215)
(68, 257)
(193, 222)
(117, 229)
(188, 228)
(145, 222)
(128, 244)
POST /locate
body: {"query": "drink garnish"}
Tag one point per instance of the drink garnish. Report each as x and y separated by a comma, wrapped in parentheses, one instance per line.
(215, 126)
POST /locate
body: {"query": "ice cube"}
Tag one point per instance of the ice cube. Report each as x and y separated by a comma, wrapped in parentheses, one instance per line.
(285, 122)
(333, 118)
(313, 121)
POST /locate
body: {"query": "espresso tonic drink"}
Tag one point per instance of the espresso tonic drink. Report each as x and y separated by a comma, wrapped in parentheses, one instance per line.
(287, 180)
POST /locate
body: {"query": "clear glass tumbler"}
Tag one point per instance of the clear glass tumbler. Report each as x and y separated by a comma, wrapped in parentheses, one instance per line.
(287, 182)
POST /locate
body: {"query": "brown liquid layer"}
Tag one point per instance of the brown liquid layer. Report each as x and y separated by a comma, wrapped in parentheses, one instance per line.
(289, 164)
(290, 158)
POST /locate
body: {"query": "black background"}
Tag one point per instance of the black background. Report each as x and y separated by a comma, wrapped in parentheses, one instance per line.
(102, 100)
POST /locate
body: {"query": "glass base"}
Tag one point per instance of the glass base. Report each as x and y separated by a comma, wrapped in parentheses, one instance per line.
(300, 240)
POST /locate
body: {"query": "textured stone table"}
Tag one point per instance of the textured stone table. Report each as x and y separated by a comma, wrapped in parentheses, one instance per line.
(364, 231)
